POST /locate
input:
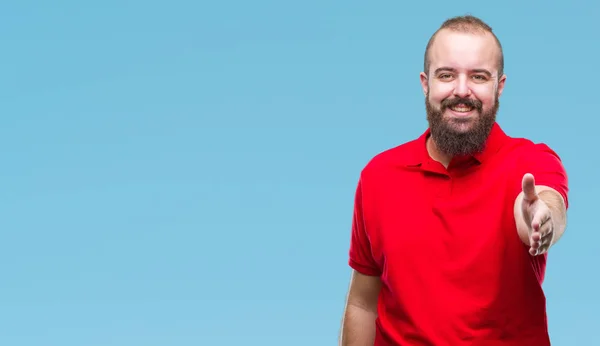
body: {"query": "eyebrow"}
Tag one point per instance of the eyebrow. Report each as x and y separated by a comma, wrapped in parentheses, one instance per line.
(450, 69)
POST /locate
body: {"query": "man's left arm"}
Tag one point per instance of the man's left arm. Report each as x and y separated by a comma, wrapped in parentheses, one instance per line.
(540, 209)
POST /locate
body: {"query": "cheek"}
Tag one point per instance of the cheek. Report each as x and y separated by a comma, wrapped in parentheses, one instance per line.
(488, 101)
(438, 93)
(487, 97)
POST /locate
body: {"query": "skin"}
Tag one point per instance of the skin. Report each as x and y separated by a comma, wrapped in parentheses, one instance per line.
(462, 65)
(358, 323)
(541, 216)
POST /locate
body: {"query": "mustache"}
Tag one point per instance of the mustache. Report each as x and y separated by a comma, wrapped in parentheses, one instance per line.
(459, 100)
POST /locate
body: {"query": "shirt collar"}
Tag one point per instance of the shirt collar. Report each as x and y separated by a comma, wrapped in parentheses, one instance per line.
(494, 142)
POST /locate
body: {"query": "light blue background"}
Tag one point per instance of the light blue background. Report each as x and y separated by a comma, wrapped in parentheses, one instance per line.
(182, 173)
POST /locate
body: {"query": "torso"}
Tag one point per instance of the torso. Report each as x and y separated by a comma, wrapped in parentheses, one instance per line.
(454, 270)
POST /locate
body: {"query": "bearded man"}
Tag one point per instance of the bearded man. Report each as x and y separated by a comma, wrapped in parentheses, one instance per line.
(451, 231)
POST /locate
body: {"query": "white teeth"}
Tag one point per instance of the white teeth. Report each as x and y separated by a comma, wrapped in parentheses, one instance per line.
(461, 109)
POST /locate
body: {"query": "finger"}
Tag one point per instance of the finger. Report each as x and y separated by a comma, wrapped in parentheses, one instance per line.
(542, 248)
(528, 185)
(540, 230)
(533, 251)
(541, 215)
(546, 241)
(537, 252)
(539, 248)
(547, 234)
(546, 228)
(537, 223)
(541, 240)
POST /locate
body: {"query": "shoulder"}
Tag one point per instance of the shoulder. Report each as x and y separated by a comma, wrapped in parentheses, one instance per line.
(539, 159)
(527, 152)
(393, 159)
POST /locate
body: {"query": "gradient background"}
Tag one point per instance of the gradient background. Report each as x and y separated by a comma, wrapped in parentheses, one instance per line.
(182, 173)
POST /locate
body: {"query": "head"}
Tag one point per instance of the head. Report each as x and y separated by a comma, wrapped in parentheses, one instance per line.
(462, 80)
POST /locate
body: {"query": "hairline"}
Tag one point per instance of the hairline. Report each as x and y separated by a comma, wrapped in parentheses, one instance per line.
(467, 27)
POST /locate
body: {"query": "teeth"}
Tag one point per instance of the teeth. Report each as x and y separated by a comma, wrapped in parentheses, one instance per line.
(461, 108)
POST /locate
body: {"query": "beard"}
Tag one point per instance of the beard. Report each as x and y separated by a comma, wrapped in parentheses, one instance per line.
(447, 133)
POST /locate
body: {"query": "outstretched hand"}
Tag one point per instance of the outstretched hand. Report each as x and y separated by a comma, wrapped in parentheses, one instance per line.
(537, 216)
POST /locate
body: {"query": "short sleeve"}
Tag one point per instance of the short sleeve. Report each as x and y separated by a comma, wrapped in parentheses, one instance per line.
(546, 167)
(361, 258)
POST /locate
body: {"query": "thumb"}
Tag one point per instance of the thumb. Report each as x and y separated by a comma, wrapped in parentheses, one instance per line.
(529, 188)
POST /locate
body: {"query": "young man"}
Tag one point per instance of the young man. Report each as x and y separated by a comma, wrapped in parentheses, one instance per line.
(451, 231)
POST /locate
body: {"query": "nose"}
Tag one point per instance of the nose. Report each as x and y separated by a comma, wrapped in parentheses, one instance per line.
(461, 88)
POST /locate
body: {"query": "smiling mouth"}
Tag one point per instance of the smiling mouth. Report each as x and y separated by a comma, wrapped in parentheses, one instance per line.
(461, 108)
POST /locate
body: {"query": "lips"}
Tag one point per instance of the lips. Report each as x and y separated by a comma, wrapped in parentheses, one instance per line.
(462, 105)
(461, 108)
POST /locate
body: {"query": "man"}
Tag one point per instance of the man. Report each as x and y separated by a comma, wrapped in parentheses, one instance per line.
(451, 231)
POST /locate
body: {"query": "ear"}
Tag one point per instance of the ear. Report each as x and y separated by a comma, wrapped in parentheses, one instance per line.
(501, 83)
(424, 82)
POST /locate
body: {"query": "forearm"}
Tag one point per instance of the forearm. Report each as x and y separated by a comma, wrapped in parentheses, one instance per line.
(358, 327)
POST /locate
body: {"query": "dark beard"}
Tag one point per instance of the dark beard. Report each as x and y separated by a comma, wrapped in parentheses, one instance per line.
(453, 143)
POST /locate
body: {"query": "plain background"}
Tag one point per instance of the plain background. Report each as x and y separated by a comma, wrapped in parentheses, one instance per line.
(182, 173)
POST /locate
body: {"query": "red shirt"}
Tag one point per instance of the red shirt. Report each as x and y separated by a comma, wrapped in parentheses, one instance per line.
(445, 244)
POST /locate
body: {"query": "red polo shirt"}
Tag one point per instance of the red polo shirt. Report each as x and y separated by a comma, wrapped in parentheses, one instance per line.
(445, 244)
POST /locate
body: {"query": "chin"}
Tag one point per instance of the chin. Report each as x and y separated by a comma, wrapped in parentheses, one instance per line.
(461, 125)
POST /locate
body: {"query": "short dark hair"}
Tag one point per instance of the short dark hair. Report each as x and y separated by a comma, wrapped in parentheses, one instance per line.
(466, 24)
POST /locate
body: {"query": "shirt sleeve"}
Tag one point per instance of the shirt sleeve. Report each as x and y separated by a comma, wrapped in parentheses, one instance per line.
(361, 257)
(547, 169)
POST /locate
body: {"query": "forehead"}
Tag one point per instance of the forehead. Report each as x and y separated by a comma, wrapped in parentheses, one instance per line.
(464, 51)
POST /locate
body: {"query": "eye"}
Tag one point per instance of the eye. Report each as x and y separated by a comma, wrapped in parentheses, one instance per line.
(445, 76)
(480, 78)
